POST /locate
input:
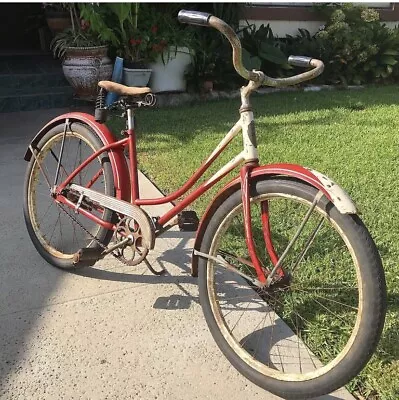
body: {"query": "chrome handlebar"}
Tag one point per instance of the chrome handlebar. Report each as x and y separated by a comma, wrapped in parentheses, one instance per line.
(205, 19)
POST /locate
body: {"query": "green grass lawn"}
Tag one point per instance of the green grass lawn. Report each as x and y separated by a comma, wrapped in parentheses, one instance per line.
(352, 136)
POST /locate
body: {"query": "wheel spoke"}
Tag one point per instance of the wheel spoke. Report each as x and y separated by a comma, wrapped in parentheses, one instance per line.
(46, 195)
(41, 169)
(334, 288)
(261, 335)
(295, 312)
(75, 163)
(330, 311)
(248, 336)
(331, 300)
(272, 332)
(232, 329)
(54, 232)
(296, 236)
(307, 245)
(62, 241)
(47, 210)
(56, 159)
(240, 297)
(74, 237)
(55, 225)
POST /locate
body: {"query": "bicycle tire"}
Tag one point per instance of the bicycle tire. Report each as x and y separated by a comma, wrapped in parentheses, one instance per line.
(80, 138)
(369, 317)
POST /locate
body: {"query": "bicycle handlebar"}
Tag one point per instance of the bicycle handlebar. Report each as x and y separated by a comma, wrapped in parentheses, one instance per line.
(193, 17)
(208, 20)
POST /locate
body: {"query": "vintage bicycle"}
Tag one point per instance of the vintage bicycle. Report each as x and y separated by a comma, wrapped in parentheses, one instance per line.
(290, 280)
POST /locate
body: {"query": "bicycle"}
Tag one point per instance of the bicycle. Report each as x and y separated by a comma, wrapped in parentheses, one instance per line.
(290, 280)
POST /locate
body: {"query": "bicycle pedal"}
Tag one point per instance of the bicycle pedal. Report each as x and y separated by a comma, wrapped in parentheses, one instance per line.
(86, 257)
(188, 221)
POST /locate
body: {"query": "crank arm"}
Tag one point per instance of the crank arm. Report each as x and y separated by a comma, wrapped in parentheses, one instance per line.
(223, 263)
(173, 222)
(123, 242)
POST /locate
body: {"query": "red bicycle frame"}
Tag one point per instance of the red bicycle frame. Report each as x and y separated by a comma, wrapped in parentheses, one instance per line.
(249, 156)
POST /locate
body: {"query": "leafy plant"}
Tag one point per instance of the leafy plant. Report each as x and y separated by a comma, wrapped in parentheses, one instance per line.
(262, 50)
(78, 36)
(69, 38)
(138, 33)
(211, 62)
(212, 52)
(382, 64)
(116, 23)
(166, 33)
(104, 21)
(303, 44)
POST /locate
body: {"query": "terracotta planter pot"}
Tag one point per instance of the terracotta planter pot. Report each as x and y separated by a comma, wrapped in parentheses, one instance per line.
(207, 86)
(84, 67)
(57, 21)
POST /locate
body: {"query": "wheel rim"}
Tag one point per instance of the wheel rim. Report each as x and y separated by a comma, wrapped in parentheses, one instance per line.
(57, 232)
(284, 333)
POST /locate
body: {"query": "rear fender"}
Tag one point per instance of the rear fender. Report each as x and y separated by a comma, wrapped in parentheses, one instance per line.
(331, 190)
(117, 158)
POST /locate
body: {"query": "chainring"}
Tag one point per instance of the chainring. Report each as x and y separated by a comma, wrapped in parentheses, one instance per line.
(135, 251)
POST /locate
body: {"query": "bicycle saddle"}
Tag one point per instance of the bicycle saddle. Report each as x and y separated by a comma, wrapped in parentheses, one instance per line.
(122, 89)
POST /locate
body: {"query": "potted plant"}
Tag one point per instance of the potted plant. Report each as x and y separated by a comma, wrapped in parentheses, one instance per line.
(84, 56)
(171, 45)
(135, 65)
(57, 17)
(130, 37)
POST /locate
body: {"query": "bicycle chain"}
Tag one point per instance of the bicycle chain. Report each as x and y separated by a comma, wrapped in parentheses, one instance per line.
(105, 248)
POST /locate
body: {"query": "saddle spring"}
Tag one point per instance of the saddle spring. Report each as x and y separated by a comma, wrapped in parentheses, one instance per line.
(101, 112)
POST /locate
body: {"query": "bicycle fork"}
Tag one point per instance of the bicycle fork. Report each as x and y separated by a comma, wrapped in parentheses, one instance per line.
(265, 276)
(277, 262)
(251, 161)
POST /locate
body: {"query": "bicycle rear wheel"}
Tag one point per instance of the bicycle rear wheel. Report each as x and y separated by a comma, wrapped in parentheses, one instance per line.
(57, 236)
(313, 331)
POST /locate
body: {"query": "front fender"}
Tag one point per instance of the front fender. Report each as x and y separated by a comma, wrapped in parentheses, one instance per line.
(117, 158)
(332, 191)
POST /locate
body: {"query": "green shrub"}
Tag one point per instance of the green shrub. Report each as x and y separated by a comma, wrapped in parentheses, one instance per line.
(355, 47)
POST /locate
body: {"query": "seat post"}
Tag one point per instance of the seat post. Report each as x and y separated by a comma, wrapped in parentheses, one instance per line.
(132, 156)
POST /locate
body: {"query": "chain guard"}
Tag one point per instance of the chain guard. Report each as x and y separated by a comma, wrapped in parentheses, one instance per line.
(121, 207)
(123, 230)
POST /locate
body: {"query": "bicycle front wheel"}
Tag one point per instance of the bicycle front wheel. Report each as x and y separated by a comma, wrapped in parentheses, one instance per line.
(56, 235)
(315, 329)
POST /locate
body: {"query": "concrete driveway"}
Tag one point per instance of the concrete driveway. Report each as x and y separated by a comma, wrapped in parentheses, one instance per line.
(106, 332)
